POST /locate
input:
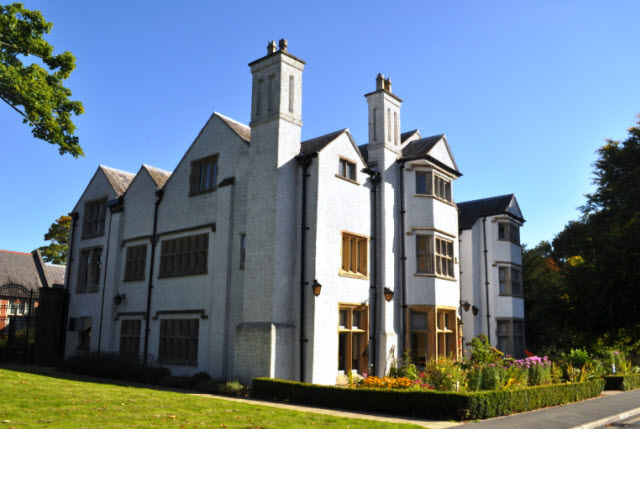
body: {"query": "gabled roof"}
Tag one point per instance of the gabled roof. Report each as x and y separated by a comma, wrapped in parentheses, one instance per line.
(407, 135)
(243, 131)
(422, 149)
(158, 175)
(470, 212)
(118, 179)
(22, 268)
(316, 145)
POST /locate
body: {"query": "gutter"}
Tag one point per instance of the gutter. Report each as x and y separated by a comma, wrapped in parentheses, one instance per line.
(154, 241)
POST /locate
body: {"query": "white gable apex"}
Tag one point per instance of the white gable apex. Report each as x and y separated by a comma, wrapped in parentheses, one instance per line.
(441, 152)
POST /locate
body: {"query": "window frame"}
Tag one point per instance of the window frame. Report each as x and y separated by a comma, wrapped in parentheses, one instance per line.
(437, 263)
(347, 170)
(515, 342)
(174, 255)
(350, 265)
(130, 337)
(91, 220)
(196, 178)
(187, 338)
(442, 337)
(509, 232)
(433, 183)
(135, 263)
(89, 270)
(347, 331)
(507, 282)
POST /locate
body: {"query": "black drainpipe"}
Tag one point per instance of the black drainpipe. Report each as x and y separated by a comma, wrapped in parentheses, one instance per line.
(74, 224)
(404, 256)
(154, 241)
(113, 206)
(486, 276)
(304, 161)
(374, 178)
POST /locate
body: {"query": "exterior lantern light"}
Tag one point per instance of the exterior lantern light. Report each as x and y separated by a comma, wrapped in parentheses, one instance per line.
(118, 298)
(316, 287)
(388, 294)
(466, 305)
(475, 310)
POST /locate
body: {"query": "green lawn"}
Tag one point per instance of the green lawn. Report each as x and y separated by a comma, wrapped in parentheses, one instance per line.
(37, 401)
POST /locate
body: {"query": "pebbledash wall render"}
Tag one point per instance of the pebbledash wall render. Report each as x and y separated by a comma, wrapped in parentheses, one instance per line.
(216, 266)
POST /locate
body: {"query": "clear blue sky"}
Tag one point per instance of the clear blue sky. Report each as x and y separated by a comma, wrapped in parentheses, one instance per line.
(526, 92)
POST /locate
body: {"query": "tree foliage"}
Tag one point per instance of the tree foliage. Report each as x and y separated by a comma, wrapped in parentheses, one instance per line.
(598, 261)
(37, 93)
(58, 236)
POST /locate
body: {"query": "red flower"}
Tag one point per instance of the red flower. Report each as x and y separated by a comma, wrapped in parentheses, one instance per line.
(528, 353)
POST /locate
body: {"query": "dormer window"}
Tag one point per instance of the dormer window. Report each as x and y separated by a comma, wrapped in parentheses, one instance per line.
(428, 183)
(509, 232)
(347, 169)
(204, 175)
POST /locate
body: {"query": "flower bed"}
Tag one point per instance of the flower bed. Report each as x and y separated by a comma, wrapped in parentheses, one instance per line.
(426, 403)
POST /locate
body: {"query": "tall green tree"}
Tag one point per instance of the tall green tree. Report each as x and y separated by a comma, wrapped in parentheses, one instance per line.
(37, 93)
(598, 257)
(58, 237)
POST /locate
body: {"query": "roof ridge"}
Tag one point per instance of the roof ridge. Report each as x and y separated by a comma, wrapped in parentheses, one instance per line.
(12, 251)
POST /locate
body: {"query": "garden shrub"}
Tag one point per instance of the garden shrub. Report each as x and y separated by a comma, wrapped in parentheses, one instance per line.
(444, 374)
(622, 382)
(113, 366)
(427, 403)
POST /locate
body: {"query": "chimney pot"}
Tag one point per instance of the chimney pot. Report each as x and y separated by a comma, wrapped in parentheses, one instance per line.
(271, 47)
(379, 82)
(387, 85)
(283, 44)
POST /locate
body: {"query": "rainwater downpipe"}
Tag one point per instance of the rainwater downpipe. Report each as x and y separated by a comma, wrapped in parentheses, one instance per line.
(228, 182)
(403, 252)
(154, 241)
(374, 178)
(304, 161)
(113, 206)
(486, 277)
(74, 224)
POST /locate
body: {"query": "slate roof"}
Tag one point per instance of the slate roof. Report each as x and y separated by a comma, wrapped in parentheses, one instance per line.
(242, 130)
(119, 179)
(405, 135)
(22, 268)
(314, 145)
(420, 148)
(158, 175)
(470, 212)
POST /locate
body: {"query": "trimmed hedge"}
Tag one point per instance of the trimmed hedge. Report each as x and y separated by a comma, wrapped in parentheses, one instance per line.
(113, 366)
(622, 382)
(427, 404)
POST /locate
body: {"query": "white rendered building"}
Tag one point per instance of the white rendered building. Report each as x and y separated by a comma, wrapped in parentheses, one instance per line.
(216, 266)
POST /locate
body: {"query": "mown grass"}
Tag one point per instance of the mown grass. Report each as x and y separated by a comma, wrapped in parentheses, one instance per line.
(36, 401)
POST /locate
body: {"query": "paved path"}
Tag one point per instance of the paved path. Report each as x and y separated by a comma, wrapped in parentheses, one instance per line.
(594, 413)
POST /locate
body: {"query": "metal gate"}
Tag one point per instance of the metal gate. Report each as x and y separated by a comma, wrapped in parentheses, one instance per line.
(17, 322)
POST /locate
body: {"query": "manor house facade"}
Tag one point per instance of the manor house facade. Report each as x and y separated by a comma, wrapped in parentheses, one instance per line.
(265, 255)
